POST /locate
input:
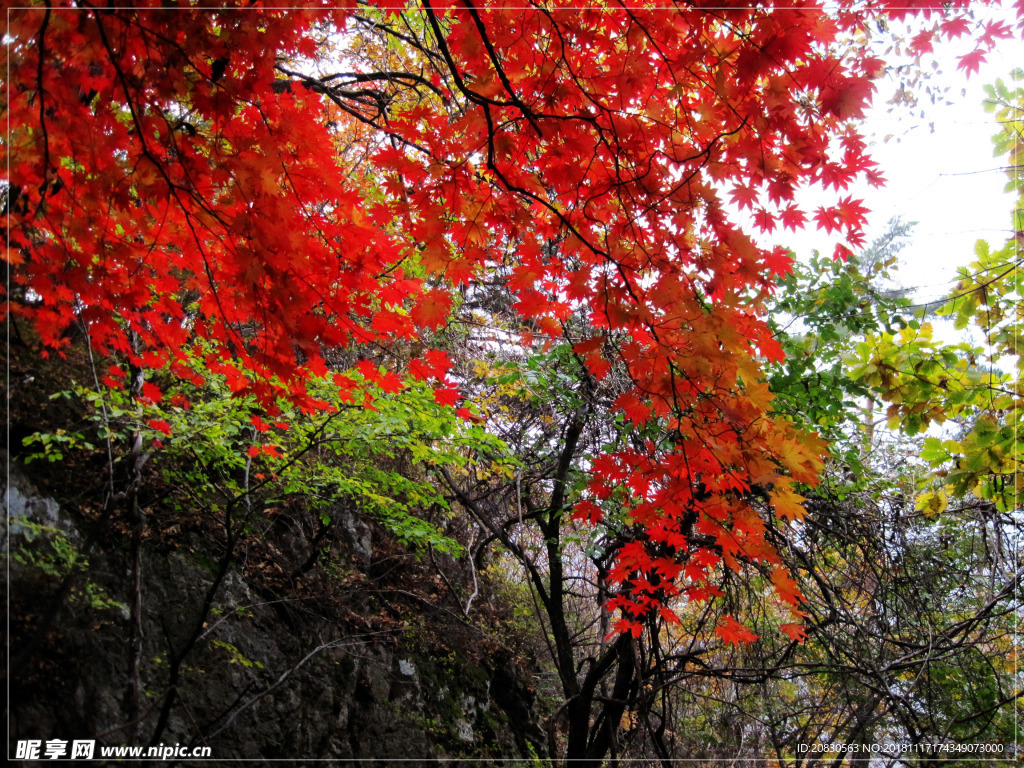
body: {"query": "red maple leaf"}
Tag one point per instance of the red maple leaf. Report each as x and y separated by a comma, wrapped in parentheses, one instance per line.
(922, 42)
(369, 371)
(432, 309)
(971, 62)
(954, 27)
(636, 411)
(797, 632)
(744, 197)
(447, 396)
(826, 219)
(670, 616)
(587, 510)
(468, 415)
(779, 261)
(847, 97)
(151, 392)
(391, 382)
(731, 631)
(786, 588)
(793, 218)
(438, 363)
(626, 626)
(851, 213)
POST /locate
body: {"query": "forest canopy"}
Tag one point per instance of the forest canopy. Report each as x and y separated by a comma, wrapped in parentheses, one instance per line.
(496, 276)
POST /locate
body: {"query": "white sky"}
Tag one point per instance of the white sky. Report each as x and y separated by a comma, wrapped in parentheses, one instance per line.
(940, 174)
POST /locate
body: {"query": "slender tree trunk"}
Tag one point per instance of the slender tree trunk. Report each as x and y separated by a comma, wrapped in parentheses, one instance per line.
(136, 459)
(135, 627)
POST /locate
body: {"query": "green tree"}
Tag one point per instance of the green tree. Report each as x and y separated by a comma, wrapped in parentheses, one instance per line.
(976, 385)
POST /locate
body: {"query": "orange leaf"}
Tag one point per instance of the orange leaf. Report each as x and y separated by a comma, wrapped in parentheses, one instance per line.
(787, 503)
(669, 615)
(731, 631)
(786, 588)
(795, 632)
(432, 309)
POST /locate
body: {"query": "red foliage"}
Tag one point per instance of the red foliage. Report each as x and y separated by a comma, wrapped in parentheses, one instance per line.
(171, 180)
(731, 631)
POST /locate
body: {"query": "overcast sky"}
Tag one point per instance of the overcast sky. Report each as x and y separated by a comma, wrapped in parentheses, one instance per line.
(941, 173)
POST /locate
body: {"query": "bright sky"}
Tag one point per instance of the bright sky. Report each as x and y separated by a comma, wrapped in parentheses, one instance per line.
(940, 173)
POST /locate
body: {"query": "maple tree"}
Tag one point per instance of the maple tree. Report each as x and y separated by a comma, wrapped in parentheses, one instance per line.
(697, 686)
(192, 183)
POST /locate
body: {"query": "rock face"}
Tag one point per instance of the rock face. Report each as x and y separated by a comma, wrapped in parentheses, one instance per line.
(337, 660)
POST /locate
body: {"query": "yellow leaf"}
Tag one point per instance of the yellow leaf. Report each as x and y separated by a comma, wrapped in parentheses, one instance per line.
(932, 503)
(787, 503)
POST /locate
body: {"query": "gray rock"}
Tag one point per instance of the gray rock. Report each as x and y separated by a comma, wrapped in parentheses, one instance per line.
(270, 675)
(27, 509)
(360, 536)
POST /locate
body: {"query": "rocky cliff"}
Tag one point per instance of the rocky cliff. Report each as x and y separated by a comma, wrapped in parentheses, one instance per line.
(311, 639)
